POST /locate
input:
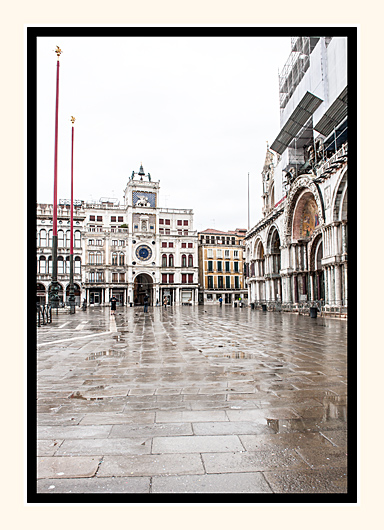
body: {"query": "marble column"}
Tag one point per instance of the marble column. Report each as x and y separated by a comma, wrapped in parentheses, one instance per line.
(345, 283)
(311, 286)
(338, 292)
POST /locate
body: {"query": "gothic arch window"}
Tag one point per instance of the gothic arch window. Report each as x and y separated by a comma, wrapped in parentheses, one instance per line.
(68, 239)
(77, 265)
(121, 259)
(50, 238)
(190, 260)
(164, 260)
(60, 265)
(171, 260)
(77, 239)
(68, 265)
(60, 238)
(114, 258)
(43, 238)
(183, 260)
(42, 265)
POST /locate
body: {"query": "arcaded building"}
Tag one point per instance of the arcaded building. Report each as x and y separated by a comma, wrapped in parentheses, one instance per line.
(298, 252)
(124, 250)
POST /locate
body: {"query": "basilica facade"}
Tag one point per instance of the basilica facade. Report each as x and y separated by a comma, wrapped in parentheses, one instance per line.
(298, 252)
(124, 250)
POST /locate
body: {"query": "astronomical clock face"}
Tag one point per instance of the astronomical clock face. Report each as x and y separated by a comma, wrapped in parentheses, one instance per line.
(143, 253)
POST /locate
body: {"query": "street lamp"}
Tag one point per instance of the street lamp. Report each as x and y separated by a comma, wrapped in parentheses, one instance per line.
(71, 297)
(54, 287)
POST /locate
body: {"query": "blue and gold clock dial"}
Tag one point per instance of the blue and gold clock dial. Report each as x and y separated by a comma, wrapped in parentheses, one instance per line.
(143, 252)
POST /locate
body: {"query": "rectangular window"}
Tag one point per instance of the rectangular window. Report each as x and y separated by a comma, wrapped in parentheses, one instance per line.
(113, 218)
(236, 265)
(120, 219)
(171, 278)
(167, 221)
(164, 278)
(185, 223)
(228, 282)
(114, 242)
(226, 253)
(161, 221)
(167, 231)
(183, 245)
(237, 285)
(99, 276)
(209, 253)
(170, 244)
(209, 297)
(210, 266)
(227, 267)
(99, 242)
(219, 253)
(122, 276)
(121, 242)
(210, 282)
(220, 282)
(99, 218)
(161, 230)
(235, 253)
(179, 232)
(91, 241)
(190, 245)
(185, 232)
(183, 278)
(219, 267)
(91, 276)
(92, 218)
(179, 222)
(190, 278)
(164, 244)
(114, 277)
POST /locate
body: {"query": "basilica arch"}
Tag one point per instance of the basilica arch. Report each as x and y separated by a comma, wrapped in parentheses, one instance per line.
(143, 284)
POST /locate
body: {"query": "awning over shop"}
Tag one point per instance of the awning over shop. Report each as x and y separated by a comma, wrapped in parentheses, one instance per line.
(296, 121)
(334, 115)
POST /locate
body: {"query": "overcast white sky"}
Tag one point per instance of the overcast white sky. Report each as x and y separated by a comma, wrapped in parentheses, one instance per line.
(197, 112)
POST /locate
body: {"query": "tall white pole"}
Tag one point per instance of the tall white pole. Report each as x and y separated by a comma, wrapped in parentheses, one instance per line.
(248, 205)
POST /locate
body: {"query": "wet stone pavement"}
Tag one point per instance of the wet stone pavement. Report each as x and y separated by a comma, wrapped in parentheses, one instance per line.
(191, 400)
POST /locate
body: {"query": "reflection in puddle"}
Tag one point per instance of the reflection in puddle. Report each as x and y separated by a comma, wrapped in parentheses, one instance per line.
(105, 353)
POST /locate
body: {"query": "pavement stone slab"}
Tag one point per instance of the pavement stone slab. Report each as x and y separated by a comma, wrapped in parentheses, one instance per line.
(95, 485)
(150, 431)
(252, 461)
(151, 465)
(196, 444)
(105, 446)
(67, 467)
(221, 483)
(312, 481)
(97, 418)
(47, 432)
(190, 416)
(48, 447)
(228, 427)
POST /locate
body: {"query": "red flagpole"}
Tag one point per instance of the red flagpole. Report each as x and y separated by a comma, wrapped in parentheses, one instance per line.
(56, 141)
(73, 133)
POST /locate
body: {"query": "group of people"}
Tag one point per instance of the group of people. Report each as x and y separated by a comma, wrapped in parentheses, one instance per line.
(113, 301)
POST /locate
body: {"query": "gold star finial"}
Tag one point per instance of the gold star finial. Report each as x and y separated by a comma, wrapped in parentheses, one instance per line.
(73, 119)
(58, 51)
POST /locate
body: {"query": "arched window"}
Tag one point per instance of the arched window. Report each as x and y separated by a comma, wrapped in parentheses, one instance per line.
(49, 268)
(98, 258)
(50, 237)
(114, 258)
(164, 260)
(121, 259)
(43, 238)
(42, 265)
(68, 265)
(68, 239)
(190, 260)
(60, 238)
(77, 239)
(60, 265)
(183, 260)
(77, 265)
(170, 260)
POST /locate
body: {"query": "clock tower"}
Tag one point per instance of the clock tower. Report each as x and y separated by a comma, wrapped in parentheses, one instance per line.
(141, 197)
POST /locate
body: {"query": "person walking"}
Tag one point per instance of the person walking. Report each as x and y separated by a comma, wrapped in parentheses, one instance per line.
(165, 301)
(221, 301)
(146, 299)
(113, 305)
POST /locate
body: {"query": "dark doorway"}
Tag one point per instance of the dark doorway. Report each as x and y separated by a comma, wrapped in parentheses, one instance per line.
(143, 285)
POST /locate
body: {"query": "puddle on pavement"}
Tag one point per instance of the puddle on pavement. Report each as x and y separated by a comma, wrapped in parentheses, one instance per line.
(105, 353)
